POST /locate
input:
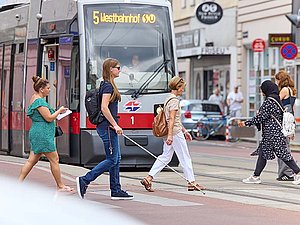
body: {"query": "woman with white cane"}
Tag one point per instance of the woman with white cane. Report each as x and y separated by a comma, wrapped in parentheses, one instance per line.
(175, 141)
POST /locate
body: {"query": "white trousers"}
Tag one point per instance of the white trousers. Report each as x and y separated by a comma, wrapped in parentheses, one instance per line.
(178, 145)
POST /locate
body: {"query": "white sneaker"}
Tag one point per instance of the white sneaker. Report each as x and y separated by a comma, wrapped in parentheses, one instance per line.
(252, 180)
(296, 179)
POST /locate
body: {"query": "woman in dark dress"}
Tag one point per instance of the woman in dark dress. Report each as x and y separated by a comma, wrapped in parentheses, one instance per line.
(273, 141)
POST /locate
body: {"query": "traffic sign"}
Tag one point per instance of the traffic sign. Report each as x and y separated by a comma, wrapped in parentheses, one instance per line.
(289, 50)
(290, 63)
(258, 45)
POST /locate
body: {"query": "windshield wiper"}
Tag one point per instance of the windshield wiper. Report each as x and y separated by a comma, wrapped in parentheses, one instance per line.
(136, 94)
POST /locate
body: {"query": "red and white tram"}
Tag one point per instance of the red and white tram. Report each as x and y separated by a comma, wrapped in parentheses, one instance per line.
(66, 42)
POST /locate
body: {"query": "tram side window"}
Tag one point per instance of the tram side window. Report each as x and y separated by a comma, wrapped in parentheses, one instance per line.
(74, 81)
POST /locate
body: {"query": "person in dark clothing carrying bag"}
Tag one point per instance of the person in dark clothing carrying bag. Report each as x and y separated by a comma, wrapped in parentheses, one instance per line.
(287, 93)
(273, 141)
(108, 130)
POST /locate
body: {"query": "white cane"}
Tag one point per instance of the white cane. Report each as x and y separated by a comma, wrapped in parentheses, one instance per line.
(150, 153)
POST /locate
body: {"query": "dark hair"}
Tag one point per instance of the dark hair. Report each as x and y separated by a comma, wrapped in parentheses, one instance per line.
(39, 83)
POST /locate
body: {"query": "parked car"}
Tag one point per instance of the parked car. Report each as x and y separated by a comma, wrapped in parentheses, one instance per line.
(194, 110)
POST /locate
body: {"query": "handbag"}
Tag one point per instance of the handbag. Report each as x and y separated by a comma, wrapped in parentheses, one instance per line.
(58, 131)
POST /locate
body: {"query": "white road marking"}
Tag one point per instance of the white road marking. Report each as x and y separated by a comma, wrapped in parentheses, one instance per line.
(156, 200)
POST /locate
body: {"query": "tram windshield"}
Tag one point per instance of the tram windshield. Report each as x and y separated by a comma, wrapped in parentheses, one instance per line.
(139, 37)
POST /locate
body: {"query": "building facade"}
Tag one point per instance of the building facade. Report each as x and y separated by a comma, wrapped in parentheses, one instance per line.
(261, 19)
(206, 52)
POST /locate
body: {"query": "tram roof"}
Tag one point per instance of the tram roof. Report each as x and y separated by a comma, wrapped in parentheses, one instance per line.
(154, 2)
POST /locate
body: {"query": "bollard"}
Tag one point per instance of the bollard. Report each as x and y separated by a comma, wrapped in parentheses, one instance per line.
(227, 133)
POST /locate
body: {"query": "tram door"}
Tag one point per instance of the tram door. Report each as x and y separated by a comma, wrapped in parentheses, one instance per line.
(56, 68)
(5, 66)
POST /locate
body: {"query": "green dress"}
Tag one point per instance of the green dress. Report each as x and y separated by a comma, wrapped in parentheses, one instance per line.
(41, 134)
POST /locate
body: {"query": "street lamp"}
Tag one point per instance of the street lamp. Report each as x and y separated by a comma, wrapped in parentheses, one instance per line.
(295, 19)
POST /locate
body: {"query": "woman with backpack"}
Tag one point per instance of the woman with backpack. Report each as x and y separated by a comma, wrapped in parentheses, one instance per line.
(108, 130)
(273, 141)
(287, 93)
(175, 141)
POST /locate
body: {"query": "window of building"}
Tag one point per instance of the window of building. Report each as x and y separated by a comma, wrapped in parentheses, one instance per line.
(183, 4)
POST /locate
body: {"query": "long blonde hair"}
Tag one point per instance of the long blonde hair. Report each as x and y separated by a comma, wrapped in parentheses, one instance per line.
(285, 81)
(107, 76)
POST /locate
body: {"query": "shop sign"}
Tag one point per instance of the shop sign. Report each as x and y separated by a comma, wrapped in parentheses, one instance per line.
(209, 13)
(258, 45)
(203, 51)
(189, 39)
(276, 40)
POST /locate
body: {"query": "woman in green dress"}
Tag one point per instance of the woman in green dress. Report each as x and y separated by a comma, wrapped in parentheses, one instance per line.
(42, 131)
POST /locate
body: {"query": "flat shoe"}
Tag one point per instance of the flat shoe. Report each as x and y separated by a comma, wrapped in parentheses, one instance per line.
(147, 184)
(195, 187)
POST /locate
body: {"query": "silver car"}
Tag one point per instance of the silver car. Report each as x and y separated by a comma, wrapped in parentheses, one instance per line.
(194, 110)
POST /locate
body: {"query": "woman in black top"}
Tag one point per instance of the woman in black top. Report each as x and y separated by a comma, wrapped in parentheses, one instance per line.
(108, 130)
(287, 93)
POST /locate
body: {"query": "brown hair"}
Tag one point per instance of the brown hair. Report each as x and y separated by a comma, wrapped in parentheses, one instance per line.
(285, 81)
(107, 76)
(39, 83)
(176, 82)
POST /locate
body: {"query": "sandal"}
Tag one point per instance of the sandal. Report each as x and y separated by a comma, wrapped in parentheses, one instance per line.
(65, 189)
(195, 187)
(147, 184)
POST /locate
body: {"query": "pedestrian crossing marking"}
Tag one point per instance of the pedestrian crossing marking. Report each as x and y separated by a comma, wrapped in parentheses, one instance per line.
(156, 200)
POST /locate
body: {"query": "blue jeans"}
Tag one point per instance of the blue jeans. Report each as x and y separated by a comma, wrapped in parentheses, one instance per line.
(111, 163)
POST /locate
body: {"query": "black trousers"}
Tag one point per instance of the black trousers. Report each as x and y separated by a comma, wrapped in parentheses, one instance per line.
(261, 164)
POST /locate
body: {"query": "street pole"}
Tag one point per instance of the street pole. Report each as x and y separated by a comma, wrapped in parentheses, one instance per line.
(39, 50)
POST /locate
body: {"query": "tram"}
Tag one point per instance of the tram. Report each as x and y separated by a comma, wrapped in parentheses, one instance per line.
(66, 41)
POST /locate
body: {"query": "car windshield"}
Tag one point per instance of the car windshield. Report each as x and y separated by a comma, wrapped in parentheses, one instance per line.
(139, 37)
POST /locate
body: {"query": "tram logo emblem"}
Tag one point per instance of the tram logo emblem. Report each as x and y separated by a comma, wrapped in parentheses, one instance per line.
(132, 106)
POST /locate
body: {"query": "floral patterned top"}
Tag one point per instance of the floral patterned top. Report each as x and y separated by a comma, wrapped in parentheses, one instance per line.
(273, 141)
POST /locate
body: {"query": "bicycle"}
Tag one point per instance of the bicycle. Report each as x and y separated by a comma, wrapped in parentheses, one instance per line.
(205, 128)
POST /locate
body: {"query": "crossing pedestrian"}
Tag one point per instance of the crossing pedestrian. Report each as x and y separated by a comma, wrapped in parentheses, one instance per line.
(273, 142)
(108, 130)
(175, 141)
(287, 93)
(42, 131)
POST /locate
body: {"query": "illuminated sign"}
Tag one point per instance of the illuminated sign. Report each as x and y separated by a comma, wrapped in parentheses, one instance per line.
(100, 17)
(279, 39)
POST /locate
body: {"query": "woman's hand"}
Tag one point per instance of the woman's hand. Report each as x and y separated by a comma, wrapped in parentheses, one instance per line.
(118, 129)
(169, 140)
(188, 136)
(62, 109)
(241, 124)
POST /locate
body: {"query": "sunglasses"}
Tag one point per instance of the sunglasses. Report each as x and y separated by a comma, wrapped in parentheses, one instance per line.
(181, 80)
(117, 67)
